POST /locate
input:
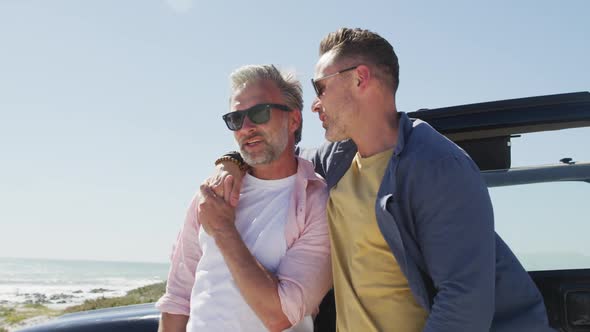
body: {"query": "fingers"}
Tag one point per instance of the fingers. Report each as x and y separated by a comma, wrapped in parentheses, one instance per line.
(228, 183)
(217, 186)
(205, 191)
(213, 188)
(207, 194)
(210, 198)
(216, 181)
(215, 215)
(234, 195)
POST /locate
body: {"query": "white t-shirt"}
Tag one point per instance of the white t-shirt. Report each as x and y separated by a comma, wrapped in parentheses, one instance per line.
(216, 302)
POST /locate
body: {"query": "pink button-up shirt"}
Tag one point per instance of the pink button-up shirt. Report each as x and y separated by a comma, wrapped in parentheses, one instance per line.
(304, 273)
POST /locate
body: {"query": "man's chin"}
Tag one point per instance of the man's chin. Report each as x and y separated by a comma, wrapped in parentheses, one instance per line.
(329, 139)
(254, 159)
(332, 137)
(252, 153)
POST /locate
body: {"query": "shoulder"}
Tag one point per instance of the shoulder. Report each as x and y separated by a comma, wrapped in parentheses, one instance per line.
(306, 171)
(426, 148)
(312, 180)
(326, 151)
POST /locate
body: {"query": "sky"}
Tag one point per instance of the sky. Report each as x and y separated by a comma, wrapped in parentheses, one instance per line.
(110, 111)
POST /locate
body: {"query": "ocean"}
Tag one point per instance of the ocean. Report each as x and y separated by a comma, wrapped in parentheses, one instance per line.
(68, 282)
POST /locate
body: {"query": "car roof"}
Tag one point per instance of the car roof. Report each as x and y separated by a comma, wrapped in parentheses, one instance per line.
(484, 129)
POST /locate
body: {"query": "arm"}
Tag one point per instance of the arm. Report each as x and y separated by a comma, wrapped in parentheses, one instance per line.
(455, 231)
(305, 272)
(175, 303)
(172, 323)
(230, 190)
(258, 286)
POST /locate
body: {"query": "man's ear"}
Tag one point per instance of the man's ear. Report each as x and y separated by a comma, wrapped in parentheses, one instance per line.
(294, 120)
(363, 76)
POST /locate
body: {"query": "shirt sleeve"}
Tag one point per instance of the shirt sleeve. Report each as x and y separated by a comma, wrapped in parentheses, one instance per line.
(305, 273)
(186, 254)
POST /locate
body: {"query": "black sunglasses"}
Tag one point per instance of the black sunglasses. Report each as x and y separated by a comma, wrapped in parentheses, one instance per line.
(318, 90)
(258, 114)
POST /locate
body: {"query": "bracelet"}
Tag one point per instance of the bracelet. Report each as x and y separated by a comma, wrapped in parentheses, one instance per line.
(235, 158)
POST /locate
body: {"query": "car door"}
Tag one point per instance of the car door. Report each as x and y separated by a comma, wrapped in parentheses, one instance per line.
(542, 212)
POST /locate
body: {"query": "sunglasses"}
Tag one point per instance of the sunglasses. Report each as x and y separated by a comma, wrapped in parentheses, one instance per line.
(258, 114)
(319, 90)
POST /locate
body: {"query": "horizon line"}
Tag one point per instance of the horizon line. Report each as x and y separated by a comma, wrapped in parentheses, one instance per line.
(83, 260)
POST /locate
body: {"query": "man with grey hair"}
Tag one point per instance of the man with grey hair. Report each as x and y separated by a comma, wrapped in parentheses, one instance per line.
(265, 264)
(410, 217)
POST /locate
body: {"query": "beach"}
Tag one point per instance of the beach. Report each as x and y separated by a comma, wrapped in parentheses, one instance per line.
(35, 290)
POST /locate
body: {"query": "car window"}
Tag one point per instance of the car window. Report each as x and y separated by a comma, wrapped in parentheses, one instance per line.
(545, 224)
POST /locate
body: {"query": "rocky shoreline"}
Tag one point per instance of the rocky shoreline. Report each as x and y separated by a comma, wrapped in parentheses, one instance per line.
(36, 308)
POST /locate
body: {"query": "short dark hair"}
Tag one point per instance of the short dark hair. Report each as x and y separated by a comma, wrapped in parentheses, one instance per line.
(366, 46)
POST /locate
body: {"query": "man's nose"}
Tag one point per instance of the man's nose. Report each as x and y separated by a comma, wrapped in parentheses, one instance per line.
(248, 125)
(316, 106)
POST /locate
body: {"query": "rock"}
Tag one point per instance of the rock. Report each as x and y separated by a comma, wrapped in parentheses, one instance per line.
(60, 296)
(100, 290)
(36, 298)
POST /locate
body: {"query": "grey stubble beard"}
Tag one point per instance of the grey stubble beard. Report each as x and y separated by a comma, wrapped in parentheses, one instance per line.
(274, 147)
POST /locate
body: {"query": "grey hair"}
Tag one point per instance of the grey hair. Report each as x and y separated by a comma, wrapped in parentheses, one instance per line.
(287, 83)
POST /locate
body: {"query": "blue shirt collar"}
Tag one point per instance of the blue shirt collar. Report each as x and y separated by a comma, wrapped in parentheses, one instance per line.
(405, 126)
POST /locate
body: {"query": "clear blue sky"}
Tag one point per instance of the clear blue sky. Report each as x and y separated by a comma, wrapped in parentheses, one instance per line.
(110, 110)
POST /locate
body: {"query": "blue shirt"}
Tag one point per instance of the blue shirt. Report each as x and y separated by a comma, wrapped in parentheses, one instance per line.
(434, 210)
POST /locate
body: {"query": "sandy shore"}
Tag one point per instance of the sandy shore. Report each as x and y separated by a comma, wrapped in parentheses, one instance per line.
(37, 308)
(29, 309)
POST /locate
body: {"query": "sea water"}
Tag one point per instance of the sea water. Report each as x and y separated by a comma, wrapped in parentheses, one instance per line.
(70, 282)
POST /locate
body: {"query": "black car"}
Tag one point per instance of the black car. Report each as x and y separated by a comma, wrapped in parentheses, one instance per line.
(485, 131)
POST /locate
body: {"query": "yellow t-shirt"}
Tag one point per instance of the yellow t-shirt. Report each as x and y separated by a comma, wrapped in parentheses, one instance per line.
(372, 293)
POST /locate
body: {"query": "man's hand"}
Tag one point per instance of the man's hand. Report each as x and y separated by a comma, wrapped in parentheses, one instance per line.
(226, 182)
(215, 215)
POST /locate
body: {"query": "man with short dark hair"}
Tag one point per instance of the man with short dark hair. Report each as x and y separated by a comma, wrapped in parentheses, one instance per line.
(264, 265)
(410, 217)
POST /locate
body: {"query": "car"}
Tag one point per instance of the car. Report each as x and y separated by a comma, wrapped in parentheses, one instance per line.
(485, 131)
